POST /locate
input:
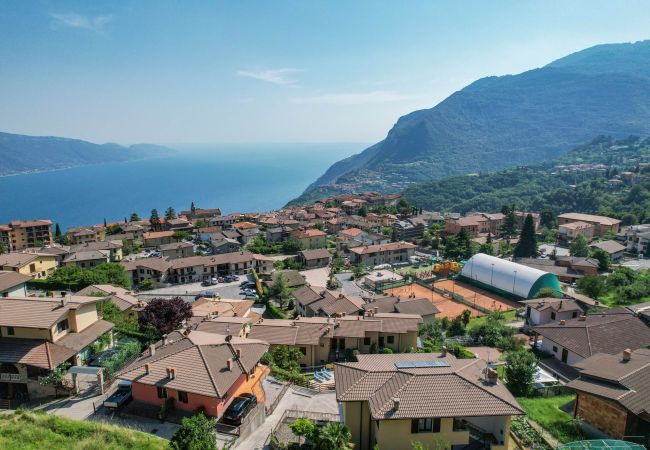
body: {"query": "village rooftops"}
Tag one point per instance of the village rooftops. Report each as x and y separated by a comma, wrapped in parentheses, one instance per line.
(589, 218)
(158, 234)
(203, 363)
(610, 247)
(426, 384)
(224, 325)
(394, 246)
(319, 253)
(208, 307)
(351, 232)
(122, 298)
(157, 264)
(556, 304)
(420, 306)
(608, 332)
(312, 232)
(622, 378)
(90, 255)
(215, 260)
(577, 225)
(15, 259)
(29, 223)
(175, 246)
(9, 279)
(29, 312)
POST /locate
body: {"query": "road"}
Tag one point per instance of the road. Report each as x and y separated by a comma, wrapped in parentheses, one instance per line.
(225, 290)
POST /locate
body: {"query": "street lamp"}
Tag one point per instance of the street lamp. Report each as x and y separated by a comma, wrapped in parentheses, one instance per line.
(492, 275)
(513, 282)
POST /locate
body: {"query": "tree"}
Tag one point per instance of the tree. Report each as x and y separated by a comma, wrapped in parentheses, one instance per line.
(509, 227)
(488, 247)
(154, 220)
(432, 332)
(303, 428)
(57, 377)
(170, 213)
(292, 245)
(334, 436)
(456, 327)
(466, 315)
(358, 271)
(181, 235)
(520, 369)
(603, 259)
(548, 293)
(280, 289)
(57, 230)
(527, 245)
(3, 248)
(547, 218)
(592, 286)
(504, 247)
(109, 311)
(106, 273)
(196, 433)
(135, 217)
(104, 222)
(363, 211)
(579, 247)
(166, 315)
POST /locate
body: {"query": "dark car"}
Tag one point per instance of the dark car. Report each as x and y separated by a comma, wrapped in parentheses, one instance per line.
(239, 408)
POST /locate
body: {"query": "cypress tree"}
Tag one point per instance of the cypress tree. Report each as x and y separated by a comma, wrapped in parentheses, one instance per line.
(527, 245)
(57, 230)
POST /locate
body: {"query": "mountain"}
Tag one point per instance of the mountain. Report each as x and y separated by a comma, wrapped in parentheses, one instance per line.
(24, 154)
(504, 121)
(577, 181)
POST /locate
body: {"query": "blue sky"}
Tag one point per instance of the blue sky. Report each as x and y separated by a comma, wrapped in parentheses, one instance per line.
(272, 71)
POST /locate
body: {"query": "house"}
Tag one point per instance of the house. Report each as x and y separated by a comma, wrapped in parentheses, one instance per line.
(13, 284)
(601, 224)
(158, 238)
(239, 226)
(211, 308)
(408, 229)
(179, 224)
(351, 233)
(58, 251)
(612, 394)
(36, 265)
(199, 268)
(612, 248)
(226, 325)
(373, 255)
(198, 370)
(37, 335)
(540, 311)
(225, 222)
(570, 230)
(323, 339)
(134, 229)
(154, 269)
(177, 250)
(221, 244)
(205, 233)
(311, 238)
(391, 400)
(82, 235)
(637, 238)
(22, 234)
(278, 234)
(588, 266)
(87, 259)
(312, 259)
(610, 332)
(565, 272)
(317, 301)
(293, 278)
(113, 247)
(410, 305)
(122, 298)
(200, 213)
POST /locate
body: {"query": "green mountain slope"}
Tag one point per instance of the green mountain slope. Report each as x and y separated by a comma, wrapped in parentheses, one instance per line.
(576, 181)
(499, 122)
(21, 154)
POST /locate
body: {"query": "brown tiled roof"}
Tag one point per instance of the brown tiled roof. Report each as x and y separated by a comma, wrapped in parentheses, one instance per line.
(157, 234)
(90, 255)
(609, 376)
(158, 264)
(175, 245)
(455, 390)
(418, 306)
(610, 332)
(223, 325)
(120, 296)
(200, 360)
(9, 280)
(557, 304)
(79, 341)
(331, 304)
(320, 253)
(101, 245)
(225, 258)
(393, 246)
(15, 259)
(293, 277)
(609, 246)
(33, 352)
(222, 307)
(30, 312)
(275, 333)
(589, 218)
(307, 295)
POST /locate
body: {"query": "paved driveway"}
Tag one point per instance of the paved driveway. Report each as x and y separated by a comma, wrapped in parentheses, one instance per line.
(225, 290)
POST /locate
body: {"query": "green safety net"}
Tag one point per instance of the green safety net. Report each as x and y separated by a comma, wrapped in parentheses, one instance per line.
(604, 444)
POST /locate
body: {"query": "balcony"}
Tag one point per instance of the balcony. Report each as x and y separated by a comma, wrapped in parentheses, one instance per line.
(10, 377)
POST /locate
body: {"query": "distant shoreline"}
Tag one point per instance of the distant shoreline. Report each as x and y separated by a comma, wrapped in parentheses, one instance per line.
(74, 166)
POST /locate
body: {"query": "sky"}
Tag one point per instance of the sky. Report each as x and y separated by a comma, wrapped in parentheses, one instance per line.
(175, 72)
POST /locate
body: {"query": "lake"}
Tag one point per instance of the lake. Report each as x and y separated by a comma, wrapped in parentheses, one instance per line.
(235, 178)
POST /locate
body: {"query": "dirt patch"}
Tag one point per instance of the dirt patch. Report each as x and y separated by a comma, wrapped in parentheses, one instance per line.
(480, 297)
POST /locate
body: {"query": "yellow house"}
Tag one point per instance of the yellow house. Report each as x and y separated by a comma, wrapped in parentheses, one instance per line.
(311, 238)
(436, 399)
(36, 265)
(39, 334)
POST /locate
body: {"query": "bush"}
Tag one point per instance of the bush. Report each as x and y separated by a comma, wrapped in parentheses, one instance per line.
(195, 433)
(520, 371)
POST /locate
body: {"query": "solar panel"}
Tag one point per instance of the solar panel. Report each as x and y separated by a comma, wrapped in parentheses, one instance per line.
(421, 364)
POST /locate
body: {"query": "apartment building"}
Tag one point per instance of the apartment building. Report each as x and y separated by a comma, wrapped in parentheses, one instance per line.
(601, 224)
(22, 234)
(199, 268)
(311, 238)
(82, 235)
(154, 269)
(373, 255)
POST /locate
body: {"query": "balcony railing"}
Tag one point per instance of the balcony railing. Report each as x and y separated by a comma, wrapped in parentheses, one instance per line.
(10, 377)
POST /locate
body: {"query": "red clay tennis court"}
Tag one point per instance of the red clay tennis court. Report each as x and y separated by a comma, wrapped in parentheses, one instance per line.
(448, 307)
(481, 297)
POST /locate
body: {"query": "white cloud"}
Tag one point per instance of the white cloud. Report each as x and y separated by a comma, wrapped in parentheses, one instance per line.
(353, 98)
(275, 76)
(74, 20)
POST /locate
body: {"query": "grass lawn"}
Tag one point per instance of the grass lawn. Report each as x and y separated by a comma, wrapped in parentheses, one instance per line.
(547, 413)
(612, 299)
(36, 430)
(508, 316)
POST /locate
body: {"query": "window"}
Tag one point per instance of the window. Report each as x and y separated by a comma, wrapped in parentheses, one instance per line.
(574, 315)
(182, 396)
(390, 339)
(366, 341)
(555, 349)
(427, 425)
(62, 326)
(10, 331)
(553, 315)
(303, 350)
(459, 424)
(162, 392)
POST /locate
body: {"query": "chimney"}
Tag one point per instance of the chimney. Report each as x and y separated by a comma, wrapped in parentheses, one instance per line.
(560, 305)
(238, 353)
(582, 318)
(396, 403)
(298, 317)
(146, 369)
(164, 340)
(152, 349)
(562, 322)
(229, 364)
(64, 300)
(343, 314)
(491, 376)
(340, 295)
(376, 310)
(172, 373)
(627, 355)
(444, 350)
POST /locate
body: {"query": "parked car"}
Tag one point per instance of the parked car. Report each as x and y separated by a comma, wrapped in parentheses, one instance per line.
(245, 283)
(231, 278)
(206, 283)
(214, 281)
(120, 397)
(239, 408)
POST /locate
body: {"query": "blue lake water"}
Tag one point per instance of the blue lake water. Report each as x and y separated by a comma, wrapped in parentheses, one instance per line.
(235, 178)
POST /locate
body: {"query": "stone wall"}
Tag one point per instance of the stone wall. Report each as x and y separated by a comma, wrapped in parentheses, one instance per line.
(607, 416)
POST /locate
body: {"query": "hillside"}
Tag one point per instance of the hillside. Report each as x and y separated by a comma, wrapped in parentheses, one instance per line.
(36, 430)
(499, 122)
(576, 181)
(23, 154)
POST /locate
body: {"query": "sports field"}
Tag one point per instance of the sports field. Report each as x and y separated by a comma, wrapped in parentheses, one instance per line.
(448, 307)
(480, 297)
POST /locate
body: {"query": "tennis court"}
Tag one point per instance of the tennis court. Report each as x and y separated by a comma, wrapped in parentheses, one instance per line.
(448, 307)
(478, 296)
